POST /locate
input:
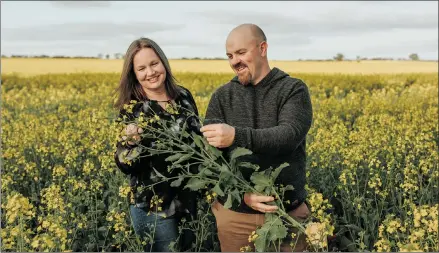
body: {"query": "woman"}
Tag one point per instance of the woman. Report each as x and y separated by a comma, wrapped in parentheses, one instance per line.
(147, 78)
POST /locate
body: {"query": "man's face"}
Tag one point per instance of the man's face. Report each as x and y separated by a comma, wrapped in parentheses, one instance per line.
(244, 56)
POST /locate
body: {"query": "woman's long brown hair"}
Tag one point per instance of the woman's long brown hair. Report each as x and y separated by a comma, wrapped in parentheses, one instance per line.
(129, 88)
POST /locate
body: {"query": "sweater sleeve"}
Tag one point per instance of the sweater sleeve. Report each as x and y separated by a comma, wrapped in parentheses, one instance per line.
(294, 122)
(213, 112)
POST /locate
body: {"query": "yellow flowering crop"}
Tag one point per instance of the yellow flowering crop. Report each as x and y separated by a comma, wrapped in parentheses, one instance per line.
(371, 162)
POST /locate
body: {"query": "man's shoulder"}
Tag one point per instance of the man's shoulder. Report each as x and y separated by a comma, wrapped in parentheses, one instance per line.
(291, 82)
(225, 88)
(288, 78)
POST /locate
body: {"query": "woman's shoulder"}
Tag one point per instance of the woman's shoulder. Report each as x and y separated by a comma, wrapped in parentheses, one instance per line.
(132, 109)
(184, 92)
(187, 99)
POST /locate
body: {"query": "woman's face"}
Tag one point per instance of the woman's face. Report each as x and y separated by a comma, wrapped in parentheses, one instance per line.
(149, 70)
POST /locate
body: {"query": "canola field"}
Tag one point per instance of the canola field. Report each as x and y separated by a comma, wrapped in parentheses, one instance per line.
(36, 66)
(372, 167)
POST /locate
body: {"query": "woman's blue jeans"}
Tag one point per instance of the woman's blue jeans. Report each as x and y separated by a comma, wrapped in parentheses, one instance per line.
(165, 232)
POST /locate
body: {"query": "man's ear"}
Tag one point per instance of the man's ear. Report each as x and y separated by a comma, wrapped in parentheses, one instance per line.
(263, 48)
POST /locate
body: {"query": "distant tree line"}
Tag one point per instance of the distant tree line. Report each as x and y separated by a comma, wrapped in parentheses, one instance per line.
(204, 58)
(341, 57)
(47, 56)
(99, 56)
(337, 57)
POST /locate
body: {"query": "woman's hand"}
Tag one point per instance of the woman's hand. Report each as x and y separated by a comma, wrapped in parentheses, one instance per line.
(132, 132)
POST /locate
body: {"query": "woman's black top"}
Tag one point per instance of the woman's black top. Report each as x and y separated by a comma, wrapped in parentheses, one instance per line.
(141, 170)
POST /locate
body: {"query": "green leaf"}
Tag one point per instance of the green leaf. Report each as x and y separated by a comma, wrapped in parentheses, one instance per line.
(183, 158)
(272, 229)
(153, 152)
(277, 232)
(184, 147)
(225, 172)
(288, 188)
(261, 240)
(102, 230)
(217, 190)
(354, 227)
(277, 171)
(185, 134)
(198, 140)
(100, 206)
(270, 218)
(195, 184)
(248, 165)
(347, 245)
(174, 157)
(260, 243)
(214, 151)
(206, 172)
(177, 183)
(237, 152)
(228, 203)
(260, 188)
(224, 169)
(133, 153)
(268, 190)
(236, 195)
(160, 175)
(226, 178)
(259, 178)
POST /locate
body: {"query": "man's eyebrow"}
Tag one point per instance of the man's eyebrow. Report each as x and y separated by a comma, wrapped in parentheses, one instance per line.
(238, 50)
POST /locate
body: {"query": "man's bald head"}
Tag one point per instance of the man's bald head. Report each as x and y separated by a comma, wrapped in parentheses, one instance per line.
(246, 48)
(252, 30)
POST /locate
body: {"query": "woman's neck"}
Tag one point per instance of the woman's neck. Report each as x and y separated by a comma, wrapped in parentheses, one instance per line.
(159, 95)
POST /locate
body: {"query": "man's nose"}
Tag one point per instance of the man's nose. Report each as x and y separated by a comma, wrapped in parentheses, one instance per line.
(234, 61)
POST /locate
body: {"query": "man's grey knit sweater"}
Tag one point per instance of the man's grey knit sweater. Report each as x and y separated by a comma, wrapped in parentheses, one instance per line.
(272, 119)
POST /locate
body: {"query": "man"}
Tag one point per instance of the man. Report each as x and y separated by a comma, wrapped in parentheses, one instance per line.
(270, 113)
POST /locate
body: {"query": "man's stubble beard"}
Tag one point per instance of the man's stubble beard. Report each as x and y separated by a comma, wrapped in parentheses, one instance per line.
(245, 79)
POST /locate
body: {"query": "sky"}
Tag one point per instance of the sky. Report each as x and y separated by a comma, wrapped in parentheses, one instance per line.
(294, 30)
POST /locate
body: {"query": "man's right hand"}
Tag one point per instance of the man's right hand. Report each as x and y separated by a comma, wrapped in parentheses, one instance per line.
(256, 202)
(133, 131)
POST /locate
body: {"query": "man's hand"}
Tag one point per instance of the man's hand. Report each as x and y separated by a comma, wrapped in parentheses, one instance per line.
(132, 131)
(219, 135)
(256, 202)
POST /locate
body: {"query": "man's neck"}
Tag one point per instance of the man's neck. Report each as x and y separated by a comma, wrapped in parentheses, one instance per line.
(264, 72)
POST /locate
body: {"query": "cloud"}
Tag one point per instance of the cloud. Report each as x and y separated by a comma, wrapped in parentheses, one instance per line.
(403, 48)
(332, 22)
(372, 44)
(81, 4)
(199, 29)
(177, 41)
(86, 31)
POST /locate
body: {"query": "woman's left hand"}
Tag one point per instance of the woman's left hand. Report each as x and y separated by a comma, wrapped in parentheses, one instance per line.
(132, 131)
